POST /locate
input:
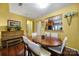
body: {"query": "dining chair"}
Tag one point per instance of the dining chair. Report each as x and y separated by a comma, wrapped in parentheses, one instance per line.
(59, 49)
(34, 34)
(47, 34)
(35, 49)
(54, 35)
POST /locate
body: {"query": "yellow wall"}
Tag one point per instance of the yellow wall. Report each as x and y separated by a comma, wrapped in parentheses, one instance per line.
(19, 18)
(6, 15)
(29, 27)
(71, 31)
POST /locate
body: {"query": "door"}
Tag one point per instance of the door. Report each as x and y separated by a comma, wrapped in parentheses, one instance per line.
(29, 27)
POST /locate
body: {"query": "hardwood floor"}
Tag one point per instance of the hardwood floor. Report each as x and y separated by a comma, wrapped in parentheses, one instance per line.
(13, 51)
(19, 51)
(70, 52)
(67, 52)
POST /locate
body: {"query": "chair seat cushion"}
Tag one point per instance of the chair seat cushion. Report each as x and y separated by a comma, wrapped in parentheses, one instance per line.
(35, 48)
(39, 50)
(56, 49)
(44, 52)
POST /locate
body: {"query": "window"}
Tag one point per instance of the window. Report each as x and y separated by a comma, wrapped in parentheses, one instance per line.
(55, 23)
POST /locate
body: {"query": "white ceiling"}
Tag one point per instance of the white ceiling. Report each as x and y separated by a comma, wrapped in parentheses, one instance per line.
(33, 11)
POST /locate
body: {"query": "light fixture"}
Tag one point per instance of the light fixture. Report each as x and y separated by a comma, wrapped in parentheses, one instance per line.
(69, 16)
(42, 5)
(20, 4)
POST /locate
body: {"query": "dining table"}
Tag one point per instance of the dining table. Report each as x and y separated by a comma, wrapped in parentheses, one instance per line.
(47, 41)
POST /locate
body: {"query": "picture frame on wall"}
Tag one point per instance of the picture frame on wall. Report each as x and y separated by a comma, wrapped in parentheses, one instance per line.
(13, 23)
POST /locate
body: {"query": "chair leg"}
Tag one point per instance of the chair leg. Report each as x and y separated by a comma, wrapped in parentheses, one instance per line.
(29, 53)
(25, 51)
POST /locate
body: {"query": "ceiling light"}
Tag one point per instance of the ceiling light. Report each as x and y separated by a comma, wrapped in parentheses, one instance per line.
(20, 4)
(42, 5)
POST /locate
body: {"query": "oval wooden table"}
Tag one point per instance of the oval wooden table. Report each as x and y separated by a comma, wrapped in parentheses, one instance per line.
(47, 41)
